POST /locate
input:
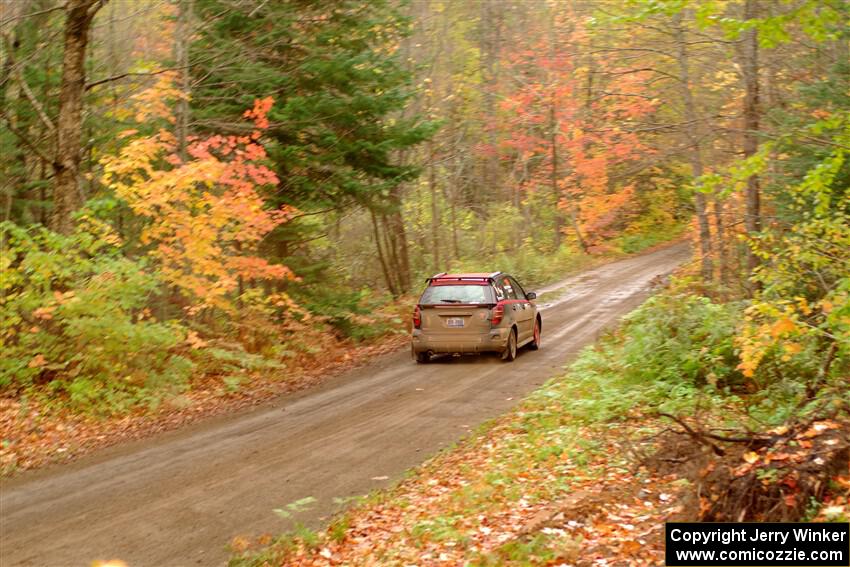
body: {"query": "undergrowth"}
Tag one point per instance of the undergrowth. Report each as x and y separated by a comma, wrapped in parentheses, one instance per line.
(86, 328)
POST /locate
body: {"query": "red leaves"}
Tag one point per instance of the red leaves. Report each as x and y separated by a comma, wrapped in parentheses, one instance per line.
(549, 122)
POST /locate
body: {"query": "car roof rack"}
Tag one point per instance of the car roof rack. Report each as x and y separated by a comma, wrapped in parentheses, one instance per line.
(464, 277)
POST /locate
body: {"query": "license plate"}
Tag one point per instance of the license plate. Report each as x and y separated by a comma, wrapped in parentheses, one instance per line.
(454, 322)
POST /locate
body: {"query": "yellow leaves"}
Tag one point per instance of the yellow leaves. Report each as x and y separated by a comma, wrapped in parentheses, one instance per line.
(782, 327)
(753, 348)
(779, 430)
(748, 367)
(38, 361)
(155, 102)
(751, 457)
(803, 305)
(790, 350)
(240, 544)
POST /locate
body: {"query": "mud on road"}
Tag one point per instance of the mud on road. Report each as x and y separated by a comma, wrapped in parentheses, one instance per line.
(179, 498)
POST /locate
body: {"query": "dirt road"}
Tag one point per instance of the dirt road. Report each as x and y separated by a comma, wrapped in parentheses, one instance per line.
(179, 498)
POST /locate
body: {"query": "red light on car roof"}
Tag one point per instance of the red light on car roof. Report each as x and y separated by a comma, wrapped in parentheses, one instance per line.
(457, 281)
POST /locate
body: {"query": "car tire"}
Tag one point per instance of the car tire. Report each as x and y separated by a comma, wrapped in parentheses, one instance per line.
(510, 349)
(535, 342)
(422, 357)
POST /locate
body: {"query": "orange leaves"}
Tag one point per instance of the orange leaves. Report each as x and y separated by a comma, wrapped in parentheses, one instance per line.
(44, 313)
(259, 112)
(782, 327)
(204, 214)
(252, 267)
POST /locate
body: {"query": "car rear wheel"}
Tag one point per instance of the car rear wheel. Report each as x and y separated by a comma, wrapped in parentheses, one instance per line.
(422, 357)
(535, 342)
(510, 350)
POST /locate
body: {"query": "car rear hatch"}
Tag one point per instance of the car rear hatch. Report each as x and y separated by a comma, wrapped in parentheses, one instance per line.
(456, 309)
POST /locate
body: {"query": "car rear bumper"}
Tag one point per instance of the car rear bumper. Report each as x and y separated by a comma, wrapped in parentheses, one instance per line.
(494, 340)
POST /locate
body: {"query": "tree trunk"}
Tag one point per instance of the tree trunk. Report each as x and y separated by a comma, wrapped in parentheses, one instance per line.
(750, 68)
(453, 212)
(67, 195)
(396, 226)
(558, 222)
(381, 258)
(435, 207)
(181, 56)
(8, 99)
(490, 27)
(722, 268)
(556, 192)
(693, 130)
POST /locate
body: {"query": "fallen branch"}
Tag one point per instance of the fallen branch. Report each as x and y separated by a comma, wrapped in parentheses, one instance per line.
(706, 437)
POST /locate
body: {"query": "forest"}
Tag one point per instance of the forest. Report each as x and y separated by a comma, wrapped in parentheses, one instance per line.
(205, 203)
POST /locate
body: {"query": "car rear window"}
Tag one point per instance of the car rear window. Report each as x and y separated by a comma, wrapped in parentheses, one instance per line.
(439, 294)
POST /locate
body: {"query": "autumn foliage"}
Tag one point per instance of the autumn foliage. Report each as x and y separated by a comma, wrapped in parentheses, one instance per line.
(565, 140)
(205, 214)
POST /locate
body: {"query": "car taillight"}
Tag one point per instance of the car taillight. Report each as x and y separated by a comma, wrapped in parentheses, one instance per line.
(498, 313)
(417, 317)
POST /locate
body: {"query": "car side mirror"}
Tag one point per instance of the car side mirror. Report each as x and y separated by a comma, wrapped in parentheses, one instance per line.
(530, 295)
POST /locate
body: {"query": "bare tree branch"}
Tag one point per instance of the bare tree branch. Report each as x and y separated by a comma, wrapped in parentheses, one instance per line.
(25, 139)
(130, 74)
(19, 75)
(32, 15)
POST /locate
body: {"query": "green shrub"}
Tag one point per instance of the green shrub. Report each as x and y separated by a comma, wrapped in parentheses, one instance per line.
(671, 353)
(675, 337)
(75, 319)
(359, 315)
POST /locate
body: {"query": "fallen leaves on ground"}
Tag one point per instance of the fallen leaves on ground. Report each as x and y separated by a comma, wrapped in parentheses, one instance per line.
(538, 487)
(515, 494)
